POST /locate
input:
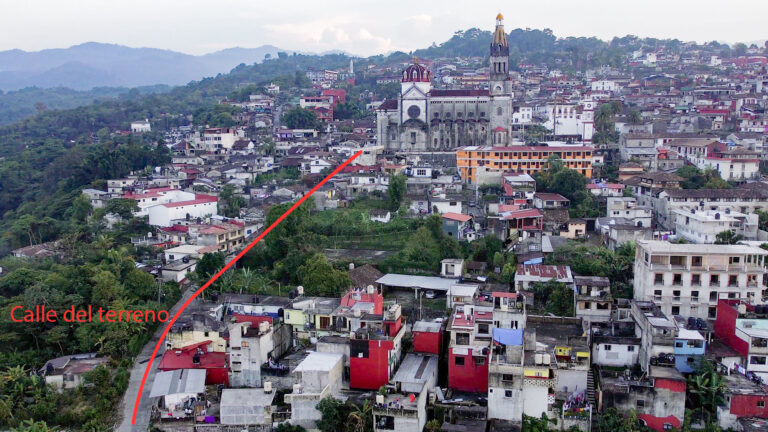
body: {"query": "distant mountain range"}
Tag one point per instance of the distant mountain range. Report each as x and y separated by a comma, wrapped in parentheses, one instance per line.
(82, 67)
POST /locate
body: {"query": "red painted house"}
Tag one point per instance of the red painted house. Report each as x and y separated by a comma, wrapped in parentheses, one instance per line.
(743, 399)
(469, 349)
(374, 348)
(744, 327)
(197, 356)
(368, 301)
(427, 337)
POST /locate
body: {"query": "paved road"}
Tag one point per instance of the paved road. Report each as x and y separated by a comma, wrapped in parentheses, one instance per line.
(139, 365)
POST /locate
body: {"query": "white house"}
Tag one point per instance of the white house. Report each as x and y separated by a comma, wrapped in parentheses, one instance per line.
(141, 126)
(200, 207)
(703, 226)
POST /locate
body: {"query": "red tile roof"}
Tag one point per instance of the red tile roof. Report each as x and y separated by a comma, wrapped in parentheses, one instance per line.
(457, 216)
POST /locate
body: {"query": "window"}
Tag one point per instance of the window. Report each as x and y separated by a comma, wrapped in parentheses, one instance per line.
(733, 280)
(459, 361)
(675, 310)
(677, 260)
(714, 280)
(696, 261)
(607, 347)
(734, 260)
(507, 377)
(640, 403)
(694, 295)
(695, 279)
(658, 278)
(508, 393)
(757, 360)
(630, 348)
(479, 361)
(462, 338)
(677, 279)
(761, 404)
(482, 328)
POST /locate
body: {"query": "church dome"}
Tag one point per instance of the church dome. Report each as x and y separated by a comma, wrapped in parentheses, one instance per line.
(416, 73)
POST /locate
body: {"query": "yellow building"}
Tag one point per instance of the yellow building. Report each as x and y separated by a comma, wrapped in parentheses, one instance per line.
(474, 161)
(194, 330)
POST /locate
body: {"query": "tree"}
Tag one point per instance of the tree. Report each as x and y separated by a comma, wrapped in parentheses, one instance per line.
(395, 191)
(535, 133)
(695, 178)
(346, 110)
(287, 426)
(611, 420)
(300, 118)
(556, 297)
(320, 278)
(727, 238)
(232, 202)
(706, 388)
(361, 418)
(209, 265)
(333, 415)
(123, 207)
(568, 183)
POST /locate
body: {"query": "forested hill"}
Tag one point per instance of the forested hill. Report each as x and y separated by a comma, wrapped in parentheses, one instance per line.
(20, 104)
(45, 160)
(543, 47)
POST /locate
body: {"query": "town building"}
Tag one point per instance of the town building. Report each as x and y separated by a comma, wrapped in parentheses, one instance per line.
(318, 376)
(689, 279)
(426, 119)
(486, 164)
(744, 327)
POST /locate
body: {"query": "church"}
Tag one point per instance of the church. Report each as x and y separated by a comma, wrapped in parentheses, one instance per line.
(423, 119)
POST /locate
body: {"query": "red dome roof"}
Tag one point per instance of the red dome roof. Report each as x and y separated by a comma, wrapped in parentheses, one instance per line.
(416, 73)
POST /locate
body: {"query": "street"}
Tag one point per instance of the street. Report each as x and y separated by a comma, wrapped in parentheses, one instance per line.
(137, 372)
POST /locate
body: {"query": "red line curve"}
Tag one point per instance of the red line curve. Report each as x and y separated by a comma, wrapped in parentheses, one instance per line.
(224, 269)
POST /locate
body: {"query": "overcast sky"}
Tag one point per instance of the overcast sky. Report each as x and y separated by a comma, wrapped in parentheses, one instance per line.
(363, 27)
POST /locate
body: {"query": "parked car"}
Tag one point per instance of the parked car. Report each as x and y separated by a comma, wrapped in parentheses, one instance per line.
(430, 294)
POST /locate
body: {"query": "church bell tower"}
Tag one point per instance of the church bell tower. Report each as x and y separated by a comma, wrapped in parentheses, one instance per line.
(499, 60)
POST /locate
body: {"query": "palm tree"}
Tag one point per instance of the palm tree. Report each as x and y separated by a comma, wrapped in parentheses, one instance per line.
(707, 386)
(361, 418)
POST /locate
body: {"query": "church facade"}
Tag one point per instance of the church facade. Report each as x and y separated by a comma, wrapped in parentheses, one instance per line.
(423, 119)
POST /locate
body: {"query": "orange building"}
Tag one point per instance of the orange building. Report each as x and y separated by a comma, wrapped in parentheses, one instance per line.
(527, 159)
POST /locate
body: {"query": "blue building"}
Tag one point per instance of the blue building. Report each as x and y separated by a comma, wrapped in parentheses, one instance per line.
(689, 350)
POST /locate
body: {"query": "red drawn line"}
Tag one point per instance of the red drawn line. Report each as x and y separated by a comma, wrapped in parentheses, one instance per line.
(224, 269)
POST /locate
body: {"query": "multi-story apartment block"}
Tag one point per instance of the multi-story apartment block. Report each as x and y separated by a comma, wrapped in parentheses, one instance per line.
(480, 164)
(743, 200)
(703, 226)
(689, 279)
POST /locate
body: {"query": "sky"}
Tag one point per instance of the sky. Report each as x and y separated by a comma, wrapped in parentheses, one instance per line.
(361, 27)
